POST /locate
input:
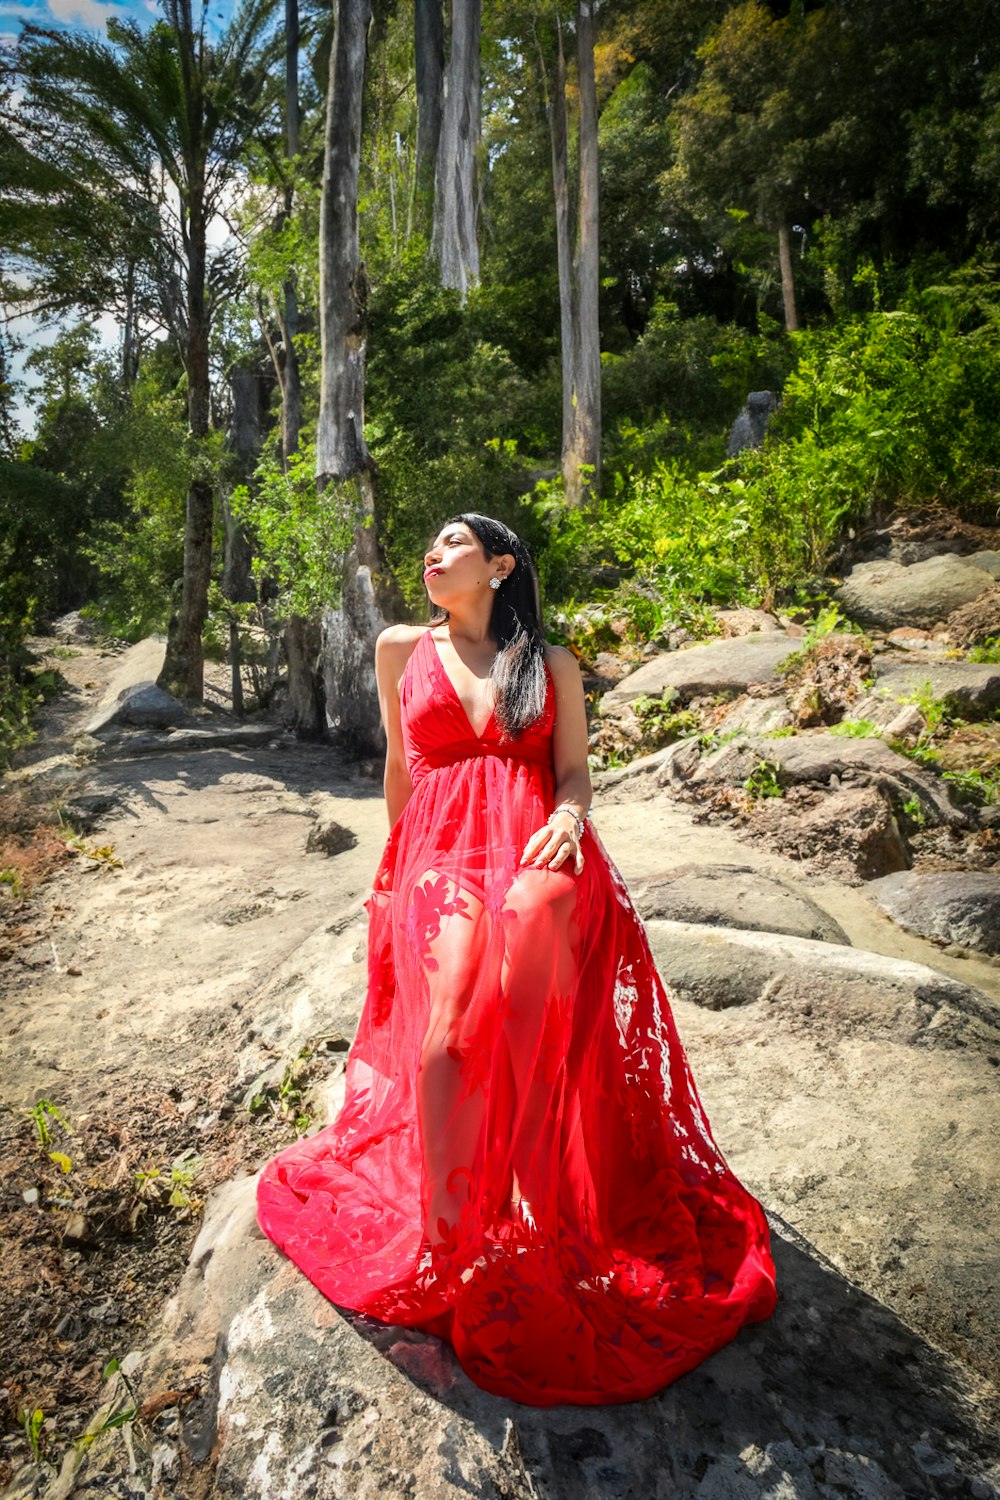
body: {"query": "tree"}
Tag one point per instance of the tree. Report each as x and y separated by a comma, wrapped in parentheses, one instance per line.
(454, 242)
(579, 266)
(342, 457)
(155, 120)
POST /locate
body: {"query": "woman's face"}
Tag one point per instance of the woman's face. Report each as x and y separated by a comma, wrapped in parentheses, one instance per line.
(455, 563)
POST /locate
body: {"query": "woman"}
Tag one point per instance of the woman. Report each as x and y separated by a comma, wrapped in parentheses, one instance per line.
(522, 1164)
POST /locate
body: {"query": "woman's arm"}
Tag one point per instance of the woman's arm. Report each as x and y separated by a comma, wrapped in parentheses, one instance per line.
(558, 840)
(392, 651)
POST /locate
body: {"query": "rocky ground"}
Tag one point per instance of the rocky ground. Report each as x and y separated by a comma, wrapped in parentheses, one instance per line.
(182, 988)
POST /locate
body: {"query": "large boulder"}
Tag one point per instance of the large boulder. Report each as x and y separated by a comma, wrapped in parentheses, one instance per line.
(887, 594)
(948, 906)
(142, 705)
(827, 760)
(726, 667)
(735, 896)
(751, 422)
(850, 834)
(970, 686)
(253, 1385)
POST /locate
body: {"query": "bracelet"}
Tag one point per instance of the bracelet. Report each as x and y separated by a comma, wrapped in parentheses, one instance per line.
(565, 807)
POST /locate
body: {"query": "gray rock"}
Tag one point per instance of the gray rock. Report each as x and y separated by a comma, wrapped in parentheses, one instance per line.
(735, 896)
(725, 666)
(888, 594)
(746, 621)
(718, 967)
(755, 716)
(751, 423)
(971, 686)
(815, 758)
(209, 737)
(988, 561)
(330, 837)
(294, 1398)
(859, 1476)
(143, 706)
(953, 906)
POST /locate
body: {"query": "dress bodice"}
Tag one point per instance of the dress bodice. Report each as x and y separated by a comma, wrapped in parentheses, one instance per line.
(436, 727)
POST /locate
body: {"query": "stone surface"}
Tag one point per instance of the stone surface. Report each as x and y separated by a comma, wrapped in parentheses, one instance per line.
(971, 686)
(952, 906)
(890, 595)
(726, 667)
(850, 833)
(142, 705)
(751, 422)
(989, 561)
(218, 736)
(746, 621)
(735, 896)
(976, 622)
(280, 1396)
(330, 837)
(755, 716)
(718, 967)
(818, 758)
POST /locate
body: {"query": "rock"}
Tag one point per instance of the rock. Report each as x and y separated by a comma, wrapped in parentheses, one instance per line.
(755, 716)
(851, 832)
(751, 423)
(608, 668)
(909, 723)
(910, 638)
(211, 737)
(73, 627)
(989, 561)
(851, 989)
(329, 837)
(975, 622)
(726, 667)
(735, 896)
(814, 758)
(890, 595)
(289, 1397)
(143, 705)
(745, 621)
(952, 906)
(973, 687)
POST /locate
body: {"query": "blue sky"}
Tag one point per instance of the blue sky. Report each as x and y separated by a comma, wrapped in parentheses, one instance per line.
(69, 15)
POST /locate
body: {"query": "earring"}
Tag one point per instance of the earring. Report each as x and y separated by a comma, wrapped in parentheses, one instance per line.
(495, 583)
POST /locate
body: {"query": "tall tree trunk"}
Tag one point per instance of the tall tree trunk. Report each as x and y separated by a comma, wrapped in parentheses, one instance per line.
(244, 441)
(559, 138)
(183, 670)
(428, 56)
(787, 278)
(581, 458)
(453, 242)
(291, 390)
(342, 457)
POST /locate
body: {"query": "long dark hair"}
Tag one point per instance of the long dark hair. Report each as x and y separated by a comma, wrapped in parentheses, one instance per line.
(518, 673)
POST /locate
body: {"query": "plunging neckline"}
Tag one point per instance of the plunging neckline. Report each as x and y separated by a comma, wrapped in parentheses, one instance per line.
(455, 693)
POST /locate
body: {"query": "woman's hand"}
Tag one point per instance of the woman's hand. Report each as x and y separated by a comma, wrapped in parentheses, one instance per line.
(551, 846)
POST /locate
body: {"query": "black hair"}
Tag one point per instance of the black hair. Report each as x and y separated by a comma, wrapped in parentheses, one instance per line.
(518, 673)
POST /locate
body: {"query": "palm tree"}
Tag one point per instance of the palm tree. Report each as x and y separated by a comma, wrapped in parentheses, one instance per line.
(144, 133)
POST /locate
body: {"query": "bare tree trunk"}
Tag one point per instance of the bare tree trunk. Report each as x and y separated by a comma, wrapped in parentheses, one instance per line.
(787, 278)
(341, 452)
(183, 671)
(291, 393)
(453, 242)
(342, 457)
(428, 54)
(581, 458)
(559, 135)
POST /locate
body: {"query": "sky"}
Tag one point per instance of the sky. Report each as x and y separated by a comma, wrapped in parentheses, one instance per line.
(71, 15)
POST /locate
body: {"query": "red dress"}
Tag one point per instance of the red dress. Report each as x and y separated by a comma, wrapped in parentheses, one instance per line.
(522, 1164)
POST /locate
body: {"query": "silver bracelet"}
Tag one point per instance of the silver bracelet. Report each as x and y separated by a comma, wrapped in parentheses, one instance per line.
(565, 807)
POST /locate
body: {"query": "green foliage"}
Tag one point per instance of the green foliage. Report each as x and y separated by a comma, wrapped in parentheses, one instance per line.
(764, 781)
(303, 535)
(988, 651)
(858, 729)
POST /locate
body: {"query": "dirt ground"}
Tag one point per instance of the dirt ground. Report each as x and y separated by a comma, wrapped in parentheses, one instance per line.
(150, 994)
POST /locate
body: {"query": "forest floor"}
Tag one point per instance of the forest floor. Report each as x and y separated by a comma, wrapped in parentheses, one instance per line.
(131, 979)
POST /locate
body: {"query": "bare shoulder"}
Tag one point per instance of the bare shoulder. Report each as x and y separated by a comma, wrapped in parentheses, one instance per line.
(563, 665)
(398, 640)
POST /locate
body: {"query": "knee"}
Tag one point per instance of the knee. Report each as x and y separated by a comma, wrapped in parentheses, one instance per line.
(539, 900)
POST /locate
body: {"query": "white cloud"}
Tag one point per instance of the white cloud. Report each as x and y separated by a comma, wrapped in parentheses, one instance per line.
(90, 13)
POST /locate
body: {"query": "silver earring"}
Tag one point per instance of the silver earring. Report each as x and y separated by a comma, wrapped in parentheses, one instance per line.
(495, 583)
